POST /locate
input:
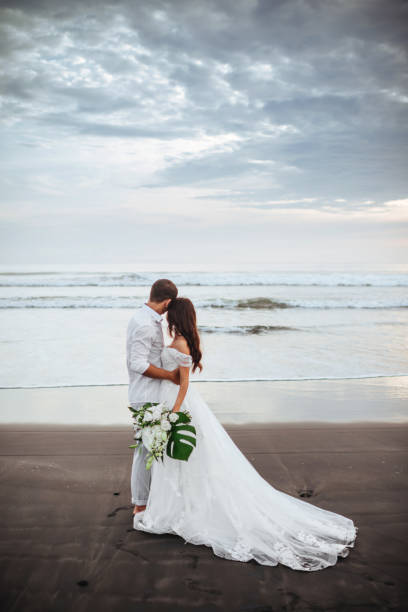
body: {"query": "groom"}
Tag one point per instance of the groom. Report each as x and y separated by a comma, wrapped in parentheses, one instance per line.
(143, 348)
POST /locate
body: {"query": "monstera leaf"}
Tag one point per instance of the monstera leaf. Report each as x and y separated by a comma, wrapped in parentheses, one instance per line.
(180, 444)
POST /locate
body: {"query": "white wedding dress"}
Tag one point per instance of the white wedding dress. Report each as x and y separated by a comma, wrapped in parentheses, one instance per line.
(217, 498)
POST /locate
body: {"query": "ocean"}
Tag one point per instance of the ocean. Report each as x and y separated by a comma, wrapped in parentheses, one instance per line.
(66, 325)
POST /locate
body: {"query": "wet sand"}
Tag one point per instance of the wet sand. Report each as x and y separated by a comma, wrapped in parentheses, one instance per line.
(344, 400)
(67, 541)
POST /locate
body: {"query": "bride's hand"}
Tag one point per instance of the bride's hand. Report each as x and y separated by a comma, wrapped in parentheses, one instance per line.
(176, 410)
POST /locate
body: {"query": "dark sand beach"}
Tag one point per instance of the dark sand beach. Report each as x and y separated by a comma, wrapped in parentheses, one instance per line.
(67, 541)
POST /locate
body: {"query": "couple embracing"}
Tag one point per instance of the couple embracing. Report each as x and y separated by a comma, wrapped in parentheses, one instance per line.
(145, 356)
(216, 498)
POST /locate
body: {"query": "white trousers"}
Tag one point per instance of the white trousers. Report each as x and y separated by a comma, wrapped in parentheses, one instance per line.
(140, 478)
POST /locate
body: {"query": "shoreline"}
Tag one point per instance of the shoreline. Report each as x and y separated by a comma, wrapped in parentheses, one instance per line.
(279, 425)
(367, 400)
(214, 380)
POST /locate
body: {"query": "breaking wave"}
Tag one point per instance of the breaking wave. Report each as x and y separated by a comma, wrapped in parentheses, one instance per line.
(245, 329)
(205, 279)
(259, 303)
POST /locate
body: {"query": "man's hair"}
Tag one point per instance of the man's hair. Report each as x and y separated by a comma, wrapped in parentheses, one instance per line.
(163, 289)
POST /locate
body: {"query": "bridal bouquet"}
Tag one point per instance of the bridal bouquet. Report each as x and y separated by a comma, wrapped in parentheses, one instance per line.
(157, 428)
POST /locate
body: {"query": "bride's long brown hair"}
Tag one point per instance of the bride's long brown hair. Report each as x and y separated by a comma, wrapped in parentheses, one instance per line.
(182, 320)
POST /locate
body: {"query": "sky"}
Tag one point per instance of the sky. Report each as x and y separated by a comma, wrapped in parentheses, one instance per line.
(219, 131)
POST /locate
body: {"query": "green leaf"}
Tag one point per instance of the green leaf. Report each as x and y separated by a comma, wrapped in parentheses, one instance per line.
(147, 405)
(180, 444)
(137, 445)
(182, 418)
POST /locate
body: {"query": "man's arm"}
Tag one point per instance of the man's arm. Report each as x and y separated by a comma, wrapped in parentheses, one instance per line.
(140, 345)
(155, 372)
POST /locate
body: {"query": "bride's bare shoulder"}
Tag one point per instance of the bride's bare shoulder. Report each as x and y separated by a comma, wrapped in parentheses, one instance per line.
(180, 343)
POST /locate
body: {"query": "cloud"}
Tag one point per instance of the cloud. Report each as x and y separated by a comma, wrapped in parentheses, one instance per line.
(236, 104)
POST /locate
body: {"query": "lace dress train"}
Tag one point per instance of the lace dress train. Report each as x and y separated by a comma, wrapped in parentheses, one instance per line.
(218, 499)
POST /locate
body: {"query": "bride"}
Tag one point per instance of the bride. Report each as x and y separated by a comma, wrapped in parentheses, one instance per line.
(217, 498)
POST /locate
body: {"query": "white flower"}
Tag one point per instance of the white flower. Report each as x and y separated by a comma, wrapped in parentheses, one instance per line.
(159, 431)
(149, 436)
(147, 416)
(138, 434)
(173, 417)
(156, 413)
(165, 425)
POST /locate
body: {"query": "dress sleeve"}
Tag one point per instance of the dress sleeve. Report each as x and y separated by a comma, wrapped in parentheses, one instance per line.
(183, 360)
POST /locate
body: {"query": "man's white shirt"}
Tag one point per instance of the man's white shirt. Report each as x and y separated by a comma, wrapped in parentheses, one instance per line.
(143, 347)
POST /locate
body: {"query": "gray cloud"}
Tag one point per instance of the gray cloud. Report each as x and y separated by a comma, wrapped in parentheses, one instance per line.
(314, 95)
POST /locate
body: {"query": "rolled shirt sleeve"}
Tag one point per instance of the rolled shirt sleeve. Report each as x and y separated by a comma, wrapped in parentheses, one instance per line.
(140, 345)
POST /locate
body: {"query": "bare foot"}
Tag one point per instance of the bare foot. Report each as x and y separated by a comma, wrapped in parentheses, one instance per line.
(138, 509)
